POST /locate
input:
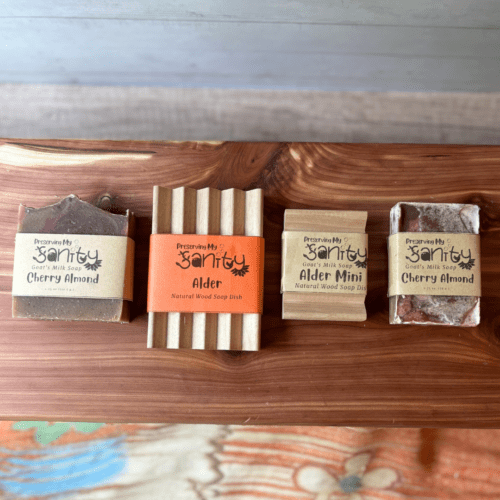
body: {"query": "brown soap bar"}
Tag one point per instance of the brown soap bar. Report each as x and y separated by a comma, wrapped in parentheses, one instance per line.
(434, 309)
(72, 216)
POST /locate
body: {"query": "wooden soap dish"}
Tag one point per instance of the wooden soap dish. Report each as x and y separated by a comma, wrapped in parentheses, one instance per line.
(324, 306)
(206, 211)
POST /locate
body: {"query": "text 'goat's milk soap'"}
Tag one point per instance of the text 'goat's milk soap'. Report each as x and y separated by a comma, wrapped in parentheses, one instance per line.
(73, 261)
(206, 269)
(434, 264)
(324, 265)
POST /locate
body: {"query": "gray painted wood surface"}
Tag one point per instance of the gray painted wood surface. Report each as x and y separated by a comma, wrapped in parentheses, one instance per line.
(454, 13)
(261, 55)
(52, 111)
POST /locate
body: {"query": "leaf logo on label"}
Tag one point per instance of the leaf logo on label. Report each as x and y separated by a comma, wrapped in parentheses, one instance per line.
(242, 271)
(93, 267)
(467, 265)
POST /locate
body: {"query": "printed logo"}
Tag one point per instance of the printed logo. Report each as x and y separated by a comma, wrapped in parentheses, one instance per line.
(212, 258)
(93, 267)
(324, 262)
(438, 250)
(434, 264)
(45, 251)
(70, 265)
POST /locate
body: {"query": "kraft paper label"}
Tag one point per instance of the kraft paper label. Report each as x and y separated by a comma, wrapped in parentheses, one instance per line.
(73, 265)
(205, 273)
(434, 264)
(324, 262)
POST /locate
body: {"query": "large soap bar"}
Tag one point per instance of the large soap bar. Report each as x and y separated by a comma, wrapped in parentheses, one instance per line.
(71, 216)
(455, 310)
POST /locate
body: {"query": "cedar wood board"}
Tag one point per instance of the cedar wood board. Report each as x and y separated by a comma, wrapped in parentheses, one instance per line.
(307, 372)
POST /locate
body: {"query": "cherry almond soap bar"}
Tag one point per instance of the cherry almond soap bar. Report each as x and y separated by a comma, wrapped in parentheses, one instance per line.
(434, 264)
(73, 261)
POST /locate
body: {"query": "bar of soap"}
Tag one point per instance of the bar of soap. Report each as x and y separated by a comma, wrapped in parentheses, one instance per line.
(71, 216)
(453, 310)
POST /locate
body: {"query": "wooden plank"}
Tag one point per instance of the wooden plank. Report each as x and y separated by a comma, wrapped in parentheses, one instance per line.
(243, 55)
(245, 115)
(208, 214)
(393, 12)
(162, 223)
(307, 372)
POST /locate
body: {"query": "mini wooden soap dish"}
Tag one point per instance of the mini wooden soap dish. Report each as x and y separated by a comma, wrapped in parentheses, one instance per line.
(324, 306)
(206, 211)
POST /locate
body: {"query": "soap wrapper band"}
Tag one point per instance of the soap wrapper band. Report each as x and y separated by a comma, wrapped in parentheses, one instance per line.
(434, 264)
(206, 273)
(324, 262)
(73, 266)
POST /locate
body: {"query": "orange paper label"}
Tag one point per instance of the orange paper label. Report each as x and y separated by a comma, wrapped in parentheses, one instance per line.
(205, 273)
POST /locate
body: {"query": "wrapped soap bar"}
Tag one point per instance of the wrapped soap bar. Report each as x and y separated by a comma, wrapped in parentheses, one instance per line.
(434, 264)
(73, 261)
(324, 265)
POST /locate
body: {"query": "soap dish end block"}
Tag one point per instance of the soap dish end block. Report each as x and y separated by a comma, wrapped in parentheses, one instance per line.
(324, 307)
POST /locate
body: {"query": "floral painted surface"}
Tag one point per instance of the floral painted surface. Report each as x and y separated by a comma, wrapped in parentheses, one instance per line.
(324, 484)
(85, 461)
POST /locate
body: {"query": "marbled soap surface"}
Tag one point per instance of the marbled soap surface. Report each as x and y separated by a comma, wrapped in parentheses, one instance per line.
(434, 309)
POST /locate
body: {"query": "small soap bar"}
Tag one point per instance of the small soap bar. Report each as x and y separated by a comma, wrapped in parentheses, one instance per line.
(324, 261)
(432, 261)
(70, 263)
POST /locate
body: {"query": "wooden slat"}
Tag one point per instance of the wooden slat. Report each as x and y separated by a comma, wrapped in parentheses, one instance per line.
(207, 222)
(180, 325)
(456, 13)
(232, 221)
(254, 226)
(324, 306)
(265, 55)
(162, 215)
(133, 113)
(325, 220)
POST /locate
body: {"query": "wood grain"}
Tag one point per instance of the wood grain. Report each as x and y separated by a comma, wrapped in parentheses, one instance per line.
(456, 13)
(367, 374)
